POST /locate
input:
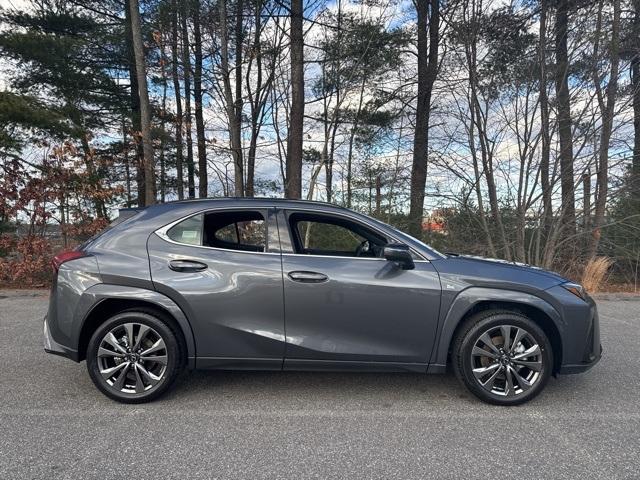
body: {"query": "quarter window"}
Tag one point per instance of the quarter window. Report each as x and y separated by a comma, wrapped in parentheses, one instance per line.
(188, 231)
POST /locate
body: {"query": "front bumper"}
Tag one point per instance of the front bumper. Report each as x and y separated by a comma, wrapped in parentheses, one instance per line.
(592, 352)
(569, 369)
(51, 346)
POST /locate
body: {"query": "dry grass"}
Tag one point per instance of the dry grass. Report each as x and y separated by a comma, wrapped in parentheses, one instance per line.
(595, 273)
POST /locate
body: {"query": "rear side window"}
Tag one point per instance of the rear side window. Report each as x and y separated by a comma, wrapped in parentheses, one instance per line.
(233, 230)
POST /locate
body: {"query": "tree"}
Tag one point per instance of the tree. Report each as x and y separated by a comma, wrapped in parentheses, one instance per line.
(293, 181)
(563, 99)
(428, 20)
(197, 96)
(145, 108)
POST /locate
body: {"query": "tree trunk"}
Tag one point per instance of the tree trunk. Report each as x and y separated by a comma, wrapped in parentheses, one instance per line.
(197, 95)
(293, 183)
(428, 14)
(233, 115)
(178, 98)
(567, 219)
(635, 82)
(145, 109)
(607, 111)
(186, 73)
(545, 152)
(135, 109)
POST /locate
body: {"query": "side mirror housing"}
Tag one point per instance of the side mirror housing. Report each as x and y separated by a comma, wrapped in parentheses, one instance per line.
(400, 254)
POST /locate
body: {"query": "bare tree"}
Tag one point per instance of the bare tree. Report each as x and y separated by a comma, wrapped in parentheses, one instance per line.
(293, 183)
(428, 43)
(568, 209)
(145, 109)
(197, 97)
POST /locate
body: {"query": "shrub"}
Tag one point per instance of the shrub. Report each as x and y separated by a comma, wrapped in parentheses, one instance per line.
(595, 273)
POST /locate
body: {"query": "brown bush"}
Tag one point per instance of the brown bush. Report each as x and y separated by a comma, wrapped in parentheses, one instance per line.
(595, 273)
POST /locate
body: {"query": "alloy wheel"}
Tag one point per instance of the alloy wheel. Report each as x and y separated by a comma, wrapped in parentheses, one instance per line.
(132, 358)
(506, 360)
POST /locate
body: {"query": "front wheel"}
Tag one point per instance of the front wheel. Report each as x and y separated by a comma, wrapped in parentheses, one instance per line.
(502, 357)
(133, 357)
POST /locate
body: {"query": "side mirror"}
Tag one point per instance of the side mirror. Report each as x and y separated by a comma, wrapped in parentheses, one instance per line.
(400, 254)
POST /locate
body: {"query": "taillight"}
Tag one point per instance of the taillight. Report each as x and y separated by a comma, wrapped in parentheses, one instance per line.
(66, 257)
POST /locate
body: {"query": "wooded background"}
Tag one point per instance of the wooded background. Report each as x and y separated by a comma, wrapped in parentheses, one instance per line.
(502, 128)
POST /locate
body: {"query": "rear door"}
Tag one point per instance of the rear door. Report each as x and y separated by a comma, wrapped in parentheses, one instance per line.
(223, 268)
(345, 306)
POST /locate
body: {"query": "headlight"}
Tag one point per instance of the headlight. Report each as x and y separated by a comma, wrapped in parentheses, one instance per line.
(576, 289)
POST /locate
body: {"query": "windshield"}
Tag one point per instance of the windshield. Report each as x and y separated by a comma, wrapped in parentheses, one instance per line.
(408, 238)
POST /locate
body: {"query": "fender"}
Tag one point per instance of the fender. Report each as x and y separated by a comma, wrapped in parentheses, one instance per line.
(93, 296)
(465, 300)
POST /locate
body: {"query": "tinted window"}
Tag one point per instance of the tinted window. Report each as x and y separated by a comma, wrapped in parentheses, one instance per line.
(239, 230)
(188, 231)
(328, 237)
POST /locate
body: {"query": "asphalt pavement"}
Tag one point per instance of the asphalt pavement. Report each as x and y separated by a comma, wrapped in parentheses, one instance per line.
(214, 425)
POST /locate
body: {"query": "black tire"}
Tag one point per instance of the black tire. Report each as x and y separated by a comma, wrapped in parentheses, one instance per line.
(464, 359)
(172, 352)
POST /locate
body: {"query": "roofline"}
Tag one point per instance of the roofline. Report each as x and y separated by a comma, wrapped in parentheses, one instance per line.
(256, 199)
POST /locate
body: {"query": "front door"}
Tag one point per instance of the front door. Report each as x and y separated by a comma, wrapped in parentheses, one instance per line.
(345, 306)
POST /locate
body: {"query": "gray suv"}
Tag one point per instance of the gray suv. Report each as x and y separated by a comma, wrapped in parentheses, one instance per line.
(271, 284)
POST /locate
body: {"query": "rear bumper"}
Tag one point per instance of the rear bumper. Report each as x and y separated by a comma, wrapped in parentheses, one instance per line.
(51, 346)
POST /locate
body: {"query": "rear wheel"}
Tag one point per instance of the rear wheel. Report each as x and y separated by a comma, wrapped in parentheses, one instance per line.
(502, 357)
(134, 357)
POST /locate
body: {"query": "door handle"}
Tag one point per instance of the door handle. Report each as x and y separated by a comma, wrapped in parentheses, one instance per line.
(307, 277)
(187, 266)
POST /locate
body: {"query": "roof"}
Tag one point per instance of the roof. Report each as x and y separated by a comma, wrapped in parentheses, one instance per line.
(283, 201)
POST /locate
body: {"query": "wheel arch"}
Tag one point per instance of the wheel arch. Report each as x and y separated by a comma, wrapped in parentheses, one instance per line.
(474, 300)
(103, 301)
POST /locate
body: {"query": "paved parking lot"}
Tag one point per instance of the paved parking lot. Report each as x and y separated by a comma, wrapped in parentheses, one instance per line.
(55, 424)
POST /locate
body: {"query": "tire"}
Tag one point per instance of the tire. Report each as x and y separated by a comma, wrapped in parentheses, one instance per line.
(499, 375)
(139, 374)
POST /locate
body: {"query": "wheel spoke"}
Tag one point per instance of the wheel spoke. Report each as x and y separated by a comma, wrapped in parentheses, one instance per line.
(517, 339)
(535, 350)
(156, 358)
(481, 352)
(139, 382)
(113, 341)
(104, 352)
(535, 366)
(107, 373)
(159, 345)
(488, 384)
(151, 378)
(129, 329)
(142, 333)
(482, 371)
(486, 339)
(523, 382)
(506, 337)
(509, 389)
(119, 383)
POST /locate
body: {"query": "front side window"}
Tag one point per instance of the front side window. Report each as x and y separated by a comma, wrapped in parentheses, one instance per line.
(332, 236)
(232, 230)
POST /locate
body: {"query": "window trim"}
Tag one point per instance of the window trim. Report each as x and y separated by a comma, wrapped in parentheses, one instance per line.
(287, 227)
(162, 232)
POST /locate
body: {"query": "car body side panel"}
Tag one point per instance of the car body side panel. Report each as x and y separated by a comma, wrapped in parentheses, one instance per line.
(455, 307)
(73, 279)
(96, 294)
